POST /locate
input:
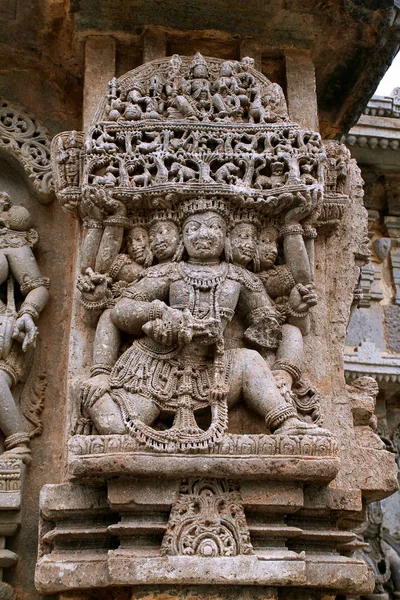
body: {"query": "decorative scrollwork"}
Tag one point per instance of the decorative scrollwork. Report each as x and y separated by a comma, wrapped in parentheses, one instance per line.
(27, 140)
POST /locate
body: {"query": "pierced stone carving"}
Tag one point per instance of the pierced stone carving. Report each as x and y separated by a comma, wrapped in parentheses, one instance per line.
(25, 138)
(207, 520)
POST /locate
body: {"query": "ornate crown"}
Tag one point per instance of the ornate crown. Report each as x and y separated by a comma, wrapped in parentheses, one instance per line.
(199, 205)
(244, 216)
(139, 220)
(164, 215)
(198, 59)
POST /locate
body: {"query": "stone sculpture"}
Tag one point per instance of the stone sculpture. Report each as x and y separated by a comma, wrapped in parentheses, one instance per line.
(200, 203)
(17, 322)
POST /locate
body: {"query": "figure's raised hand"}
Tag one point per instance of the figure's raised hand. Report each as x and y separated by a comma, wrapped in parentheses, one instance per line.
(93, 284)
(302, 298)
(25, 331)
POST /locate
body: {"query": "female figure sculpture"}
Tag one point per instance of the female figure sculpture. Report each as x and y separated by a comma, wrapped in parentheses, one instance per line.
(18, 329)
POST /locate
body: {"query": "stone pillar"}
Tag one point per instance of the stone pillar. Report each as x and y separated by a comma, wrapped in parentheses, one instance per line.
(301, 89)
(99, 70)
(251, 48)
(154, 45)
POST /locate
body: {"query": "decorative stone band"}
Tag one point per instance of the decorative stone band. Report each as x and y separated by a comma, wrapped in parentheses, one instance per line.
(384, 143)
(286, 457)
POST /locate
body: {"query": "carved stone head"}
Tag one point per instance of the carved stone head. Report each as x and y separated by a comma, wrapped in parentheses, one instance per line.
(204, 236)
(268, 247)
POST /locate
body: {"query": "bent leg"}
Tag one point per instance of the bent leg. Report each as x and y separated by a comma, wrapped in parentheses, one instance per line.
(107, 416)
(252, 374)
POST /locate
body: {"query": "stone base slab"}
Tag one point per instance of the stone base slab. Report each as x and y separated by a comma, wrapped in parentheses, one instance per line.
(118, 568)
(277, 457)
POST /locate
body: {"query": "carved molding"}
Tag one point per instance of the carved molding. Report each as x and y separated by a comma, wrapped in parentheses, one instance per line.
(27, 140)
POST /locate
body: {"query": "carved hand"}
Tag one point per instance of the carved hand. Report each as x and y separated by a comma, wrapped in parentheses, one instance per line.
(92, 283)
(172, 328)
(301, 212)
(25, 331)
(95, 385)
(302, 298)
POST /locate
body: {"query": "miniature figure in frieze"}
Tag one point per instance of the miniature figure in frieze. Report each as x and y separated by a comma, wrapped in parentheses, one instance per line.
(19, 276)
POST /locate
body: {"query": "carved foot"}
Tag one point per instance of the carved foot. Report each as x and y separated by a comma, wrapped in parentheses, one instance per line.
(22, 452)
(294, 426)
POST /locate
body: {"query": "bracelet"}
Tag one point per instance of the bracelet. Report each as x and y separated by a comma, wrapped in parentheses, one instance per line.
(156, 311)
(294, 313)
(278, 416)
(118, 221)
(138, 296)
(16, 438)
(310, 232)
(99, 368)
(291, 230)
(289, 367)
(32, 284)
(29, 309)
(96, 305)
(259, 313)
(92, 224)
(119, 262)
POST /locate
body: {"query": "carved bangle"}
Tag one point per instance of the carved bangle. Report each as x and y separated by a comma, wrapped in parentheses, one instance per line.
(260, 313)
(92, 224)
(29, 309)
(100, 368)
(118, 221)
(291, 230)
(32, 284)
(296, 314)
(119, 262)
(138, 296)
(97, 305)
(156, 311)
(289, 367)
(310, 232)
(16, 438)
(278, 416)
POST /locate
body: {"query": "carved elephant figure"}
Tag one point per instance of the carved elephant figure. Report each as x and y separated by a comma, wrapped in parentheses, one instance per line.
(182, 173)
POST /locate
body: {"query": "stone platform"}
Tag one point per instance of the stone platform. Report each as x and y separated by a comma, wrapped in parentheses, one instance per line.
(275, 457)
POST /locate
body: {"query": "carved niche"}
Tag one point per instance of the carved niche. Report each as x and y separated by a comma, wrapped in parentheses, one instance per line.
(200, 202)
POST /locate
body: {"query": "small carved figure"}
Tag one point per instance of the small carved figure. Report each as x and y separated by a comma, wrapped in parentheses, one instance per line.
(103, 142)
(226, 94)
(277, 178)
(183, 174)
(69, 155)
(109, 179)
(18, 331)
(227, 173)
(176, 90)
(138, 106)
(306, 173)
